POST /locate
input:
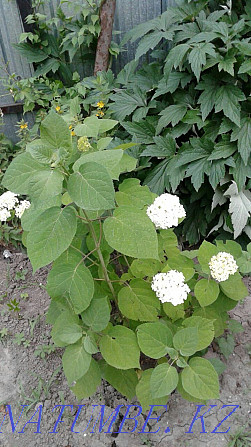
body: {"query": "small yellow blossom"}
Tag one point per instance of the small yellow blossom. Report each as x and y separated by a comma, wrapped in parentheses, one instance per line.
(70, 127)
(100, 114)
(58, 108)
(73, 133)
(23, 126)
(100, 104)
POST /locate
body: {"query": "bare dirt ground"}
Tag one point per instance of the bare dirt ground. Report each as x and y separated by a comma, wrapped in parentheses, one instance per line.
(28, 379)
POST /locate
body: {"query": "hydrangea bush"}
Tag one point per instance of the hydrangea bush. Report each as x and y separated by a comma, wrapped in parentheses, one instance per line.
(126, 304)
(11, 211)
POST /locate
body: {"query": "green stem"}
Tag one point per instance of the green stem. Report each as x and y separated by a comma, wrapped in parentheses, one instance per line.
(102, 261)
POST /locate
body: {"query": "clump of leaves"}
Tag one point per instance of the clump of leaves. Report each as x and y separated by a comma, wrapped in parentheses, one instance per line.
(190, 112)
(105, 251)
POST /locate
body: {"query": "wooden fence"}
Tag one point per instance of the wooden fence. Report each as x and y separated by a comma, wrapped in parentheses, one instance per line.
(129, 13)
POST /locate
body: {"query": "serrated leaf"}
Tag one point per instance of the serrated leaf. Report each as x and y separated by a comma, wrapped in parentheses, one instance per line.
(164, 379)
(218, 365)
(138, 302)
(91, 187)
(97, 315)
(243, 135)
(205, 329)
(87, 385)
(143, 131)
(120, 349)
(200, 379)
(148, 42)
(206, 291)
(154, 339)
(239, 208)
(76, 362)
(197, 57)
(131, 232)
(144, 394)
(228, 99)
(54, 131)
(124, 381)
(72, 278)
(171, 114)
(186, 341)
(50, 235)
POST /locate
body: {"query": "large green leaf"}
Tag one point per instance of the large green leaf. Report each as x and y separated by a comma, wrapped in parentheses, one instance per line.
(163, 381)
(38, 207)
(154, 339)
(92, 188)
(110, 159)
(206, 291)
(144, 394)
(76, 361)
(124, 381)
(228, 99)
(50, 235)
(205, 329)
(87, 385)
(45, 184)
(20, 172)
(206, 251)
(131, 232)
(74, 279)
(197, 57)
(40, 150)
(131, 191)
(138, 302)
(66, 330)
(200, 379)
(186, 341)
(171, 114)
(120, 349)
(55, 131)
(234, 287)
(243, 135)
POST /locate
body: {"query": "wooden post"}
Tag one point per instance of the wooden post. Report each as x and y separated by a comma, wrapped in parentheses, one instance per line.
(107, 12)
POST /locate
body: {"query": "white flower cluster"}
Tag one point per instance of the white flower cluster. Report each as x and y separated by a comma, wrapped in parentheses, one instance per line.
(222, 265)
(165, 211)
(9, 201)
(170, 287)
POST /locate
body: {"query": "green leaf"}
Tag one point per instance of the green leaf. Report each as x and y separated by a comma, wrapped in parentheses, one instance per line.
(206, 251)
(197, 57)
(200, 379)
(92, 188)
(120, 349)
(72, 278)
(138, 302)
(76, 362)
(140, 268)
(226, 345)
(176, 55)
(245, 67)
(182, 264)
(164, 379)
(234, 287)
(144, 394)
(148, 42)
(131, 191)
(239, 208)
(87, 385)
(235, 326)
(66, 330)
(110, 159)
(171, 114)
(206, 291)
(45, 184)
(20, 172)
(93, 127)
(31, 53)
(231, 247)
(205, 329)
(50, 235)
(186, 395)
(126, 102)
(124, 381)
(131, 232)
(90, 344)
(40, 150)
(55, 131)
(127, 163)
(243, 135)
(163, 147)
(227, 64)
(144, 131)
(38, 207)
(227, 99)
(97, 315)
(174, 312)
(218, 365)
(209, 85)
(154, 339)
(186, 341)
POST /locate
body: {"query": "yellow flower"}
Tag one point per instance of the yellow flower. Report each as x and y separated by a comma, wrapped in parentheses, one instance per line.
(100, 104)
(58, 108)
(70, 127)
(23, 126)
(100, 114)
(73, 133)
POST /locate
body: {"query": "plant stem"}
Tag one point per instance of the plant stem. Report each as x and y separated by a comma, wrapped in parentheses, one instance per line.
(102, 261)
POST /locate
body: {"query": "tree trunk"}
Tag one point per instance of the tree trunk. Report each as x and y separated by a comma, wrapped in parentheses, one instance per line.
(107, 13)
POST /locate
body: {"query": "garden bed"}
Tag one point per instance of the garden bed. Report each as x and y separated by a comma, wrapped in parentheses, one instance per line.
(22, 373)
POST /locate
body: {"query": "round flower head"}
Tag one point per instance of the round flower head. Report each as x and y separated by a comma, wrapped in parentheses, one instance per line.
(24, 205)
(222, 265)
(4, 214)
(170, 287)
(83, 144)
(8, 200)
(166, 211)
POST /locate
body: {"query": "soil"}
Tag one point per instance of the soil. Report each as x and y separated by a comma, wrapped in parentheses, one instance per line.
(24, 376)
